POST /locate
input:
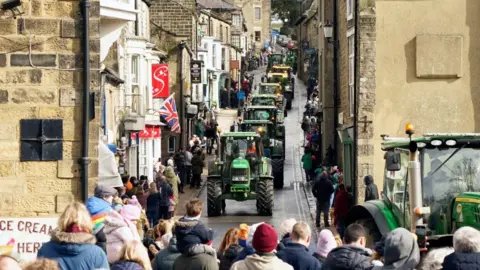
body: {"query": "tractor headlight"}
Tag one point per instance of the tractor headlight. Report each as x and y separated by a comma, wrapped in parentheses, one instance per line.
(238, 178)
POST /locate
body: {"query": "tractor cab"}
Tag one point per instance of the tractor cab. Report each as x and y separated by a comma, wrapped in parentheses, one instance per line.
(263, 113)
(284, 80)
(275, 59)
(266, 130)
(431, 187)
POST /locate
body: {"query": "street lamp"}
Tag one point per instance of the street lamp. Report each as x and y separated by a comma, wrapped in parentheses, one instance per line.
(328, 30)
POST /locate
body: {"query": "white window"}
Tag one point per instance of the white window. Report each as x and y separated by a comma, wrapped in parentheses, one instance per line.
(236, 41)
(214, 57)
(351, 72)
(236, 20)
(350, 8)
(258, 13)
(135, 88)
(143, 157)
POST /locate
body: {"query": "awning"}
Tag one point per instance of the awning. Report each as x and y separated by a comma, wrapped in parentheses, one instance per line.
(107, 167)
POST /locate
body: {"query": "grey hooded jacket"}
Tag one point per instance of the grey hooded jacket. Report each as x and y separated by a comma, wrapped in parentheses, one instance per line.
(401, 251)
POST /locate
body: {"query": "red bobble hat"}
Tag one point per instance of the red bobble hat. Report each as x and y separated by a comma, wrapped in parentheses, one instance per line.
(265, 238)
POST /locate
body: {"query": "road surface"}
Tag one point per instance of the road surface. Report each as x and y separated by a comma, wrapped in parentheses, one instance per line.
(290, 202)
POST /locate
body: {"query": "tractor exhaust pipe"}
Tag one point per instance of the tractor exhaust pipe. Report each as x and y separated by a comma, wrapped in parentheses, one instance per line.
(415, 187)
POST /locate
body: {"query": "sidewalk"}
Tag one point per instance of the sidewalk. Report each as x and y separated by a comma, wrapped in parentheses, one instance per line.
(225, 119)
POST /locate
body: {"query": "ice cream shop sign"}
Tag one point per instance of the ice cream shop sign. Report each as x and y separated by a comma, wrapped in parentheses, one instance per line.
(21, 238)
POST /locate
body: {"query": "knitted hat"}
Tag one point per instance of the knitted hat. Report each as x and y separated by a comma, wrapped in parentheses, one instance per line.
(265, 238)
(102, 191)
(243, 235)
(326, 242)
(133, 201)
(130, 212)
(286, 227)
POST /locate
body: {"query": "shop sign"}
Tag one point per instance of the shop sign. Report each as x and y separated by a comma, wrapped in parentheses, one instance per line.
(160, 82)
(150, 132)
(196, 71)
(21, 238)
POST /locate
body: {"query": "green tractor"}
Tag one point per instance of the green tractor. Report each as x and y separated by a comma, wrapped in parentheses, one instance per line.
(269, 94)
(272, 148)
(271, 113)
(292, 59)
(431, 187)
(287, 86)
(240, 173)
(275, 59)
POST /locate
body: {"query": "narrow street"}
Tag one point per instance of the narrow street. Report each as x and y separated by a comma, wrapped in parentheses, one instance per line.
(290, 202)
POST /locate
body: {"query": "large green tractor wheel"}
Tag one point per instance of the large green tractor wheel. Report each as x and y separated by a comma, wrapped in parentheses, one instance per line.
(277, 171)
(265, 197)
(214, 197)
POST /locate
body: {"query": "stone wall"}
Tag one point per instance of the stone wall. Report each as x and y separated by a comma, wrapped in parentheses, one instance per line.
(366, 87)
(174, 16)
(46, 36)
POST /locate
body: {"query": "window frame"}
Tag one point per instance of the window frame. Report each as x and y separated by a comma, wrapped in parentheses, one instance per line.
(236, 20)
(259, 13)
(136, 98)
(171, 139)
(259, 36)
(350, 7)
(351, 71)
(236, 40)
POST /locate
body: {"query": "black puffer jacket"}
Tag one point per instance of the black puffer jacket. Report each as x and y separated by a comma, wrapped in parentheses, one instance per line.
(462, 261)
(191, 232)
(348, 258)
(322, 188)
(226, 259)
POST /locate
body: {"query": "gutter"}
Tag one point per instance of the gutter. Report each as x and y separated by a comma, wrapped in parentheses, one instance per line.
(84, 160)
(336, 72)
(355, 102)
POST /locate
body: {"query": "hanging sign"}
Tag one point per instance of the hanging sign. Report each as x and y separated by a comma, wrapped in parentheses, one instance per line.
(160, 81)
(150, 132)
(196, 71)
(21, 238)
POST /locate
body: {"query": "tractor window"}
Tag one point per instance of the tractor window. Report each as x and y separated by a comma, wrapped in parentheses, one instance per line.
(441, 183)
(236, 148)
(395, 189)
(263, 101)
(259, 115)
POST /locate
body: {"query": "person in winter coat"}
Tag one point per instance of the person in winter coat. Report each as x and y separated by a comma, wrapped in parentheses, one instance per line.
(172, 180)
(72, 244)
(99, 206)
(434, 259)
(401, 251)
(342, 205)
(161, 199)
(248, 247)
(264, 242)
(285, 232)
(165, 258)
(352, 255)
(322, 189)
(307, 164)
(197, 169)
(38, 264)
(179, 159)
(466, 243)
(153, 203)
(229, 248)
(371, 190)
(118, 231)
(133, 256)
(188, 166)
(325, 243)
(296, 253)
(198, 261)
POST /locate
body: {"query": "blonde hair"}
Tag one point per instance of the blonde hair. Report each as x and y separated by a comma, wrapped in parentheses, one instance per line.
(301, 231)
(337, 236)
(134, 251)
(163, 226)
(153, 188)
(75, 213)
(42, 264)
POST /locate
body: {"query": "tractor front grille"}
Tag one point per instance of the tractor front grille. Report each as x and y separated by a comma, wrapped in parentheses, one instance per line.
(239, 175)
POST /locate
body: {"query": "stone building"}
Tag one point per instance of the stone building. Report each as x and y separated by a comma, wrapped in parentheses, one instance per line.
(422, 72)
(173, 28)
(307, 32)
(41, 81)
(257, 14)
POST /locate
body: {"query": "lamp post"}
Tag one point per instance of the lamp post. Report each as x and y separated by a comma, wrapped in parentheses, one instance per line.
(181, 117)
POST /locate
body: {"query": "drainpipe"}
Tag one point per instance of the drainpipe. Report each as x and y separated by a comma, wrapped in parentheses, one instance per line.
(355, 103)
(336, 44)
(181, 117)
(84, 160)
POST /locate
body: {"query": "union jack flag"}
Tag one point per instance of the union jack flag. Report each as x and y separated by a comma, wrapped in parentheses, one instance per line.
(168, 111)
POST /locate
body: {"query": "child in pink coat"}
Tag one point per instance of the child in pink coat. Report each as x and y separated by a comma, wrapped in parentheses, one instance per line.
(120, 229)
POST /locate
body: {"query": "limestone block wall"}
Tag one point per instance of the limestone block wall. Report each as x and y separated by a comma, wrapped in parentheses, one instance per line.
(41, 78)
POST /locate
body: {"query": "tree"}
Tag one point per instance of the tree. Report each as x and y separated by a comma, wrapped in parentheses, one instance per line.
(288, 10)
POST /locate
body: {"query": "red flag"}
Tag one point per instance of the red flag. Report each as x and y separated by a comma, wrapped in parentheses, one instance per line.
(160, 81)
